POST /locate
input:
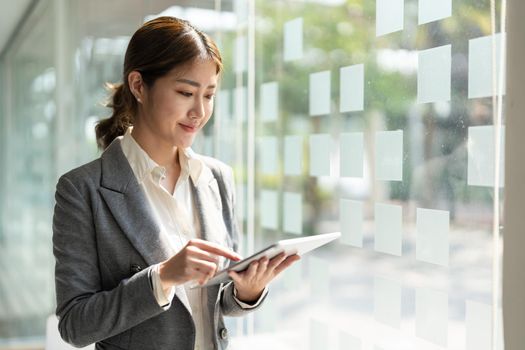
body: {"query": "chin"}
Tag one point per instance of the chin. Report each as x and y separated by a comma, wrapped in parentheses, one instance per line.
(185, 143)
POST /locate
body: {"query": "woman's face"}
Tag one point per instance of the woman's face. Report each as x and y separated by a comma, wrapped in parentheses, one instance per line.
(180, 103)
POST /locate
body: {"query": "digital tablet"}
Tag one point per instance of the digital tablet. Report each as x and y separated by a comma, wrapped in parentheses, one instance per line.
(292, 246)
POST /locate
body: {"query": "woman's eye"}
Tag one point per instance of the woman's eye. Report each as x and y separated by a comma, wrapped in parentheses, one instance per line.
(185, 94)
(210, 97)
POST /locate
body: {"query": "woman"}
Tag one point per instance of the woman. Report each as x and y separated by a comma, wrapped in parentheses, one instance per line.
(136, 228)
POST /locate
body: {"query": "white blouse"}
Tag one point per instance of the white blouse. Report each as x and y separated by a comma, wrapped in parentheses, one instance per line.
(176, 217)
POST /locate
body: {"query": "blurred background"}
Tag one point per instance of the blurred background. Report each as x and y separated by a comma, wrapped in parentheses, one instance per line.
(373, 118)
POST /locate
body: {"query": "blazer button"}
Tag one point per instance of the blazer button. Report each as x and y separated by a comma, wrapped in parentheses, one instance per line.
(135, 268)
(224, 333)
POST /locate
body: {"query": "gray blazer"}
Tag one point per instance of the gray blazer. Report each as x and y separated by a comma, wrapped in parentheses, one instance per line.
(105, 240)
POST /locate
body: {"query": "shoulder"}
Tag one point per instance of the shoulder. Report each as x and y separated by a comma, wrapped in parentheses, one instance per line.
(83, 177)
(221, 171)
(216, 165)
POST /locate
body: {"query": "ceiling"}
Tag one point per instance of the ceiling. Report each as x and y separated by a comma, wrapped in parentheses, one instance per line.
(10, 17)
(100, 18)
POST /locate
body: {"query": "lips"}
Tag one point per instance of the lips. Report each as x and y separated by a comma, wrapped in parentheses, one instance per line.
(189, 128)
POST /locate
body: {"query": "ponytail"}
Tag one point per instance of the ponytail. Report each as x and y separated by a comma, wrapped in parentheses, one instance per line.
(123, 105)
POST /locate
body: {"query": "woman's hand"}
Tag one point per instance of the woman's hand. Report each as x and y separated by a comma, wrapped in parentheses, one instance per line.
(251, 282)
(198, 260)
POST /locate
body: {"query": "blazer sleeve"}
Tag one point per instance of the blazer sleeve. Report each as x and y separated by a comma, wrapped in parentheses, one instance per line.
(87, 313)
(228, 302)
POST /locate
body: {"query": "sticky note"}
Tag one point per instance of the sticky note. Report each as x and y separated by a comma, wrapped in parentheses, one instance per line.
(268, 154)
(320, 91)
(293, 212)
(389, 155)
(241, 55)
(433, 227)
(351, 218)
(481, 156)
(269, 207)
(224, 105)
(433, 10)
(293, 155)
(240, 203)
(241, 103)
(480, 69)
(351, 151)
(352, 80)
(389, 16)
(293, 39)
(388, 229)
(434, 74)
(320, 152)
(269, 101)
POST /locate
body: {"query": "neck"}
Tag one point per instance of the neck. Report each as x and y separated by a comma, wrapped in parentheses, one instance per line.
(163, 153)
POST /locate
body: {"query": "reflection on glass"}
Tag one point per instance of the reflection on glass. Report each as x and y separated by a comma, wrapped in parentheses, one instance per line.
(319, 277)
(432, 316)
(349, 342)
(387, 302)
(478, 321)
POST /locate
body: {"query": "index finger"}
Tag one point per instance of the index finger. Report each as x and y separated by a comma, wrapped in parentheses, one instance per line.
(216, 249)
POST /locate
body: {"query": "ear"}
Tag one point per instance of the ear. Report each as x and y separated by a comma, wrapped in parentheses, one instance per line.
(136, 85)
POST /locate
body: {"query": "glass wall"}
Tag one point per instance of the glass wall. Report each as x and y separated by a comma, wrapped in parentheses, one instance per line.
(28, 139)
(373, 118)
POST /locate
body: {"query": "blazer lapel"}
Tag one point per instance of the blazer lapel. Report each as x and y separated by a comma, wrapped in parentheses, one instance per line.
(128, 204)
(130, 208)
(208, 206)
(207, 203)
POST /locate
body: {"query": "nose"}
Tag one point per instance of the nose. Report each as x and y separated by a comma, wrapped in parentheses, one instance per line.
(197, 111)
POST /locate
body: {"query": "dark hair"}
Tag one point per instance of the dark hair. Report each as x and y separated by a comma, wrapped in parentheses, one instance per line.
(154, 50)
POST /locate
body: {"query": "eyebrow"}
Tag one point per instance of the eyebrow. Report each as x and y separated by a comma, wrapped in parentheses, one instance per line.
(193, 83)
